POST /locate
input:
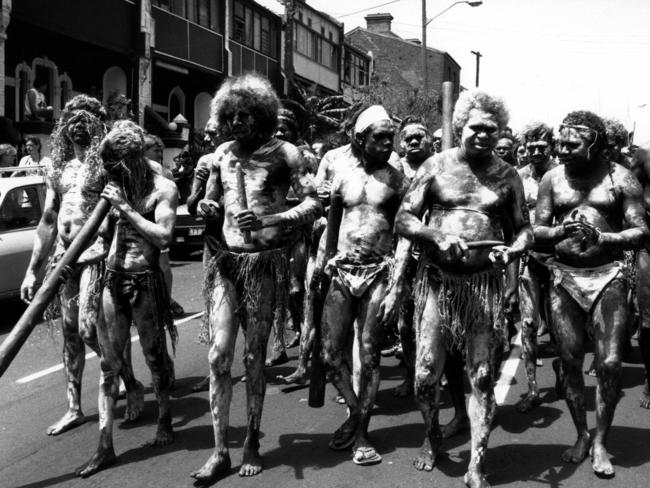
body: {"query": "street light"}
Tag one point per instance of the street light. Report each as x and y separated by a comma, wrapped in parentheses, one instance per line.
(425, 22)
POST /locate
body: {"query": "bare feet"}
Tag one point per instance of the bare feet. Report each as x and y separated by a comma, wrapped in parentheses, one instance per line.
(344, 435)
(277, 359)
(457, 425)
(578, 452)
(298, 377)
(203, 385)
(164, 433)
(217, 465)
(645, 396)
(403, 390)
(134, 403)
(474, 479)
(252, 463)
(528, 403)
(70, 420)
(104, 457)
(426, 458)
(600, 462)
(294, 342)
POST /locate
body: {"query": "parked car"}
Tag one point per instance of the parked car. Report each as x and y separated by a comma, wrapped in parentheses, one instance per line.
(188, 234)
(21, 206)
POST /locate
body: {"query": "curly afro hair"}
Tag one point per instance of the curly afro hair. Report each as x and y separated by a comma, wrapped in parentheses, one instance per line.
(616, 131)
(593, 122)
(251, 93)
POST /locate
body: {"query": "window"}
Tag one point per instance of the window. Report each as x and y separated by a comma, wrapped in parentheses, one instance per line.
(239, 23)
(20, 209)
(163, 4)
(254, 30)
(202, 12)
(257, 32)
(266, 36)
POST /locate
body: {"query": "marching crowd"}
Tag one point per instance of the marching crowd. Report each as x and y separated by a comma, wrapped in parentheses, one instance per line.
(452, 247)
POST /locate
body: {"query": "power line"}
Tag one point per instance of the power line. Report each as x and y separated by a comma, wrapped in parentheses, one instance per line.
(366, 9)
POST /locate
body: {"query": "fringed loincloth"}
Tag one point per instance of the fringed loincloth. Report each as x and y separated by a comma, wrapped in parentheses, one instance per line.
(464, 301)
(96, 269)
(584, 285)
(128, 285)
(246, 270)
(358, 275)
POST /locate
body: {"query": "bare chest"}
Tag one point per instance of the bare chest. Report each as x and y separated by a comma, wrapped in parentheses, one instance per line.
(601, 197)
(465, 189)
(360, 188)
(262, 178)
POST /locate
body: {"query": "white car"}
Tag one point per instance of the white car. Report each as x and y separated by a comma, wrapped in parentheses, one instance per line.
(21, 206)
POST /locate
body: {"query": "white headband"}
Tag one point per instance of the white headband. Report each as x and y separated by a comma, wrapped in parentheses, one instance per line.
(374, 113)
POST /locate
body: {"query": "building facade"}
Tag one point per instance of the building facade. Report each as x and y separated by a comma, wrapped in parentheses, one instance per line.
(397, 61)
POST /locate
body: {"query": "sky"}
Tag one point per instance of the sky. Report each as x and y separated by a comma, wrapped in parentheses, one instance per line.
(544, 57)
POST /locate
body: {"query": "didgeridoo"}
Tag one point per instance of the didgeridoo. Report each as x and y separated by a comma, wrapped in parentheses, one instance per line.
(241, 189)
(34, 312)
(317, 379)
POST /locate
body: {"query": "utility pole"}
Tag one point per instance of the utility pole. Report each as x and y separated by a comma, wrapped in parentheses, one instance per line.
(425, 74)
(289, 31)
(478, 63)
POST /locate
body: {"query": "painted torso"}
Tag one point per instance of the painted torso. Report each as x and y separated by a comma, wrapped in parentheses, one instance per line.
(469, 203)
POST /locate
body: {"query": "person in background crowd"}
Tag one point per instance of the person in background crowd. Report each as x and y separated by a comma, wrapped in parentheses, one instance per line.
(36, 107)
(33, 158)
(153, 151)
(534, 279)
(617, 139)
(506, 147)
(118, 107)
(183, 173)
(7, 159)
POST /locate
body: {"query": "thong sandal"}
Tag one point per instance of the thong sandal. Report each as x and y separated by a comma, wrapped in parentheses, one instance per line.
(366, 456)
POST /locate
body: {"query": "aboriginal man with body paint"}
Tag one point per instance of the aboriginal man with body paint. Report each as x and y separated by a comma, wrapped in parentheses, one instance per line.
(416, 143)
(74, 184)
(471, 195)
(534, 280)
(589, 210)
(362, 291)
(140, 224)
(247, 281)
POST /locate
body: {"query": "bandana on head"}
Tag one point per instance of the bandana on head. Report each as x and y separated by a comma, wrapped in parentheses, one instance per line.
(371, 115)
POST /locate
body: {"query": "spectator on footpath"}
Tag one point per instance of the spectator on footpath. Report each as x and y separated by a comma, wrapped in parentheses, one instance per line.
(7, 158)
(33, 158)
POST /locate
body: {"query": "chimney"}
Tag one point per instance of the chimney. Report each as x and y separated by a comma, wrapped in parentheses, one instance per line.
(378, 23)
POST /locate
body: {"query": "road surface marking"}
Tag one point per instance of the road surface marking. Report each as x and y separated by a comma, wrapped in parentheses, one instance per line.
(59, 367)
(508, 371)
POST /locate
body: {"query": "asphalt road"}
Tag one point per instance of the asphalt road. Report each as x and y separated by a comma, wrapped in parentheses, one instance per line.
(524, 449)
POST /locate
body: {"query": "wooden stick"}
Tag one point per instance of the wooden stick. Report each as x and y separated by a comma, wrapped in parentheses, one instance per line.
(241, 189)
(34, 313)
(482, 244)
(317, 380)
